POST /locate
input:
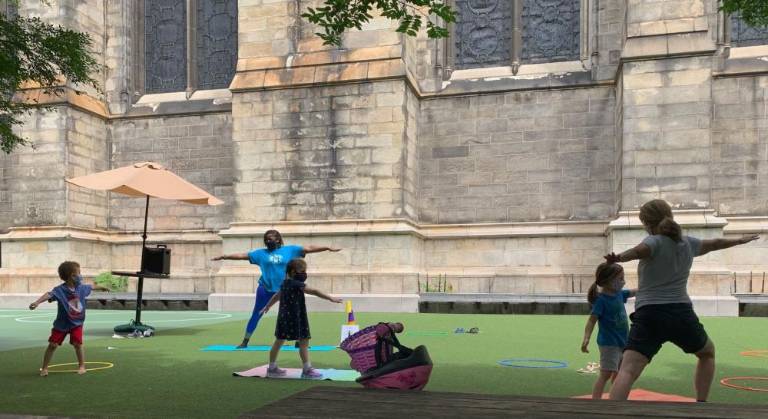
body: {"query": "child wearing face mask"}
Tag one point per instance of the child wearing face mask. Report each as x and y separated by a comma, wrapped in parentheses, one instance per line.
(608, 310)
(292, 322)
(70, 299)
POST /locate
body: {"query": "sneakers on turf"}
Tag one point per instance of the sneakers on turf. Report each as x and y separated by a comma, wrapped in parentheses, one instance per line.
(276, 372)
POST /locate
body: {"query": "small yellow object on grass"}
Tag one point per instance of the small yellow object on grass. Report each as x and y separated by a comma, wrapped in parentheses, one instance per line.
(351, 327)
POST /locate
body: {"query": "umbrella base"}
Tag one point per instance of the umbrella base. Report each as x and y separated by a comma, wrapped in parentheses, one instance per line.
(135, 328)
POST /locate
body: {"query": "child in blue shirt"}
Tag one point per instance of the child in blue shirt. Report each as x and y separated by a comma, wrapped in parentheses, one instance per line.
(608, 310)
(70, 299)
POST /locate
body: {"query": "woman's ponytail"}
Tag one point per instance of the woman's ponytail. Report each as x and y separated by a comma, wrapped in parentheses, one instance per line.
(671, 229)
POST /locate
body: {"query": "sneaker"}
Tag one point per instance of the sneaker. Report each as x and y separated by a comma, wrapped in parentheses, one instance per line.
(276, 372)
(311, 373)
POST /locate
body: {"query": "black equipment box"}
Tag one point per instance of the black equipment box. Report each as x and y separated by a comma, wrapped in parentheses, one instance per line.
(157, 260)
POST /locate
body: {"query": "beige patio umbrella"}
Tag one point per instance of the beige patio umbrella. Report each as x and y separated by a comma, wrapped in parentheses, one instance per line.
(150, 180)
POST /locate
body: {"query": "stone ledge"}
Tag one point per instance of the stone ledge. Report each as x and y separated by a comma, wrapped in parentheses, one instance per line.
(108, 237)
(686, 218)
(336, 56)
(539, 81)
(383, 303)
(324, 74)
(752, 298)
(164, 107)
(654, 46)
(69, 96)
(504, 298)
(667, 26)
(425, 231)
(146, 296)
(744, 225)
(757, 51)
(745, 63)
(524, 71)
(706, 306)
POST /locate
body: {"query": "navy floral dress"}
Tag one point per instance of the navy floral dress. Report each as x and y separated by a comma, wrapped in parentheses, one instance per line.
(292, 322)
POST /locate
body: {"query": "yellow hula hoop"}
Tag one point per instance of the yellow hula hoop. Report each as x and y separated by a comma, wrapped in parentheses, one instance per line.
(104, 366)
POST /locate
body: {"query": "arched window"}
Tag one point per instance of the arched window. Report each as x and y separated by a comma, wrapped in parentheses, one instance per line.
(493, 33)
(743, 35)
(187, 45)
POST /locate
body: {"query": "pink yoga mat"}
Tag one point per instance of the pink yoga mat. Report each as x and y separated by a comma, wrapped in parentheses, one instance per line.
(647, 396)
(295, 373)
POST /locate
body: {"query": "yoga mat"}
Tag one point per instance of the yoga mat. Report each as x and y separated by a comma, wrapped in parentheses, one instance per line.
(264, 348)
(295, 374)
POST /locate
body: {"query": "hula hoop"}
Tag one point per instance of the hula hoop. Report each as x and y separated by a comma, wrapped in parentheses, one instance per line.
(726, 382)
(757, 353)
(520, 363)
(104, 366)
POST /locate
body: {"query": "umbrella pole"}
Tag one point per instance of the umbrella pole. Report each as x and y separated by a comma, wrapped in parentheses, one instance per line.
(140, 286)
(136, 325)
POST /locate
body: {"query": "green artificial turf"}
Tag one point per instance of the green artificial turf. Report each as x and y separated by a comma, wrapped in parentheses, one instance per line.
(168, 376)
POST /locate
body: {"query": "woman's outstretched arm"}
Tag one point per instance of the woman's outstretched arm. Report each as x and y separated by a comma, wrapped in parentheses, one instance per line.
(720, 244)
(316, 249)
(641, 251)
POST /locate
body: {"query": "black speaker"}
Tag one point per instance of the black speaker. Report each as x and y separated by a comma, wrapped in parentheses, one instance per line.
(157, 260)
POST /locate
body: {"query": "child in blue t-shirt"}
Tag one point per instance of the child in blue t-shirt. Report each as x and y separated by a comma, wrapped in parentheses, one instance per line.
(608, 310)
(70, 299)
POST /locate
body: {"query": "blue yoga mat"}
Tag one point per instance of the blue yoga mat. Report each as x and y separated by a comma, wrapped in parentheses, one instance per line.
(264, 348)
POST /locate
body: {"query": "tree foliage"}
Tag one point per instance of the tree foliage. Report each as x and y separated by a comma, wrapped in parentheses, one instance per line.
(753, 12)
(35, 51)
(337, 16)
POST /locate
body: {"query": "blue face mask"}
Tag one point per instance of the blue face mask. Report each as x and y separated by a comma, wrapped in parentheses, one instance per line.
(300, 276)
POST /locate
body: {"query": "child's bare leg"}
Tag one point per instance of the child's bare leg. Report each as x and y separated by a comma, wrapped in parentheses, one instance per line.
(304, 351)
(275, 350)
(599, 387)
(80, 359)
(307, 371)
(47, 358)
(272, 370)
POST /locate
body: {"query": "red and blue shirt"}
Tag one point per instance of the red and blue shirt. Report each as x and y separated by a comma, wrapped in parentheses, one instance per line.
(71, 306)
